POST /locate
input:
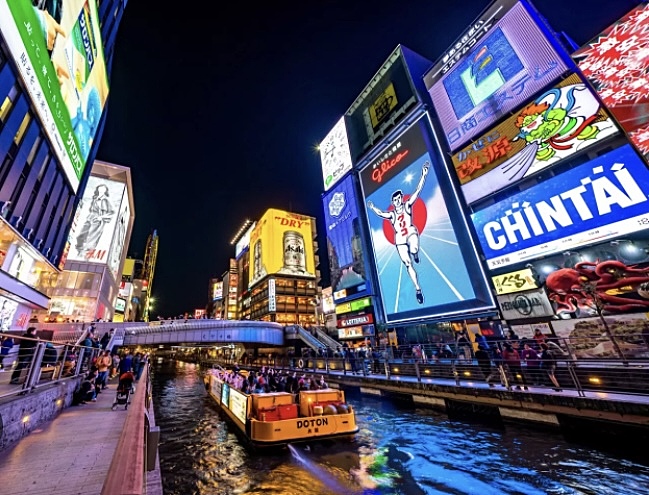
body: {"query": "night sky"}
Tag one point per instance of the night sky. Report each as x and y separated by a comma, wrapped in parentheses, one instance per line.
(218, 113)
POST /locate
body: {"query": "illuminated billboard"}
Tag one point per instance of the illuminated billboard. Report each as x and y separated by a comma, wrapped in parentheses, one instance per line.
(93, 230)
(495, 66)
(60, 57)
(335, 155)
(238, 405)
(561, 121)
(217, 291)
(244, 242)
(385, 101)
(282, 243)
(344, 245)
(118, 245)
(517, 281)
(616, 63)
(522, 305)
(120, 305)
(598, 200)
(7, 311)
(426, 262)
(125, 290)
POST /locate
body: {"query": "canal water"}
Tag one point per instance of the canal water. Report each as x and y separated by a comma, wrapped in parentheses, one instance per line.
(399, 450)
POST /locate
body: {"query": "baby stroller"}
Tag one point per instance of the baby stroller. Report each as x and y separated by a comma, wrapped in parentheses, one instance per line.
(124, 389)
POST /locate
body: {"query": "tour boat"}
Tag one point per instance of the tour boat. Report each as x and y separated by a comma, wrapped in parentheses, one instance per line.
(277, 418)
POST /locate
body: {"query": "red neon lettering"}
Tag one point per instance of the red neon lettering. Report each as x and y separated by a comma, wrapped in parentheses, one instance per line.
(379, 172)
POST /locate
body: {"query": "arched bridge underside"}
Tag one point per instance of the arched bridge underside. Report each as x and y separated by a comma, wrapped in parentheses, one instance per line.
(207, 331)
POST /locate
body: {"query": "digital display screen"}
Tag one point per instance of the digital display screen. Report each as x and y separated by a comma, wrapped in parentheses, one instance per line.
(345, 248)
(511, 62)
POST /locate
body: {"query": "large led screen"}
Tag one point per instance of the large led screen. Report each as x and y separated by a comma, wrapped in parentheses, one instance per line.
(282, 243)
(601, 199)
(93, 230)
(426, 262)
(616, 62)
(118, 245)
(335, 155)
(345, 247)
(384, 102)
(58, 49)
(561, 121)
(493, 74)
(243, 243)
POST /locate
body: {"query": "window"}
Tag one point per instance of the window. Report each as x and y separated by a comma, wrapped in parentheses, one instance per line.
(21, 130)
(8, 103)
(32, 152)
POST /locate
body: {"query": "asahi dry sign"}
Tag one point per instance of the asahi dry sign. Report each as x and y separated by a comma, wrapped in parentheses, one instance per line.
(530, 304)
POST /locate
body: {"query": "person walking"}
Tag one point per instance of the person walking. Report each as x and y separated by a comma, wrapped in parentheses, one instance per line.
(549, 364)
(26, 350)
(484, 363)
(5, 348)
(513, 361)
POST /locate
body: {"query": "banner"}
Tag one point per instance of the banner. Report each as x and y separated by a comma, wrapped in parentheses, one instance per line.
(118, 244)
(60, 57)
(601, 199)
(489, 76)
(425, 260)
(560, 122)
(93, 229)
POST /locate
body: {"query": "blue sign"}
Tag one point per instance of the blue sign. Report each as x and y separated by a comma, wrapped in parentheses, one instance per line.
(599, 200)
(345, 248)
(426, 263)
(483, 73)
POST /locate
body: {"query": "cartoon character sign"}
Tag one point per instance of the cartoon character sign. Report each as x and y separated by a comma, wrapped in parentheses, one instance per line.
(564, 120)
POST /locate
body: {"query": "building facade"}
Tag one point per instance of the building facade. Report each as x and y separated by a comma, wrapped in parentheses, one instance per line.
(87, 289)
(49, 133)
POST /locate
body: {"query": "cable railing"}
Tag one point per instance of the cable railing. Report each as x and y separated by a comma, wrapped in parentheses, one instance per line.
(31, 363)
(455, 363)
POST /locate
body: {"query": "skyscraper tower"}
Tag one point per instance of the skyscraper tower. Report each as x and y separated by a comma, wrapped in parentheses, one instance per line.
(150, 257)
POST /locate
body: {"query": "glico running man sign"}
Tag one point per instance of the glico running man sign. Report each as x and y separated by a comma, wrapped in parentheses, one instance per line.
(599, 200)
(426, 263)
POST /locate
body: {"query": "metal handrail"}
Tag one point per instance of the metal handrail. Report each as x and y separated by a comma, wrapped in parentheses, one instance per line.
(43, 364)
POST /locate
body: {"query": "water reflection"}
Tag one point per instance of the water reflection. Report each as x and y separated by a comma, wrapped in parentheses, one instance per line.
(397, 451)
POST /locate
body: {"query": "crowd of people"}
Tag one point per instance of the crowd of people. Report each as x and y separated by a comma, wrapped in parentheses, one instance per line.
(271, 380)
(514, 360)
(105, 367)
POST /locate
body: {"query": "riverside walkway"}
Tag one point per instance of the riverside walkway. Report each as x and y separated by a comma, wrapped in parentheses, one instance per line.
(88, 449)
